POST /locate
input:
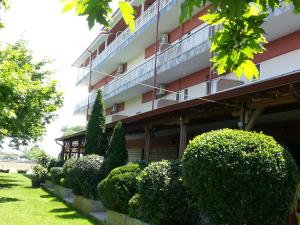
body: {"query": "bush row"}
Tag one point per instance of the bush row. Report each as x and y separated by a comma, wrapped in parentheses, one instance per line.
(228, 177)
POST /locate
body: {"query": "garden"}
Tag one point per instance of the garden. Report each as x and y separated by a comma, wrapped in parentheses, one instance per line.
(226, 176)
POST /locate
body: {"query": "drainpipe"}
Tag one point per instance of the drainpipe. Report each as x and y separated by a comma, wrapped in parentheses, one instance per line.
(90, 81)
(155, 57)
(211, 72)
(294, 91)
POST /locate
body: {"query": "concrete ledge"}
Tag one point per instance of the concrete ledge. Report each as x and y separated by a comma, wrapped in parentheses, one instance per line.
(87, 205)
(115, 218)
(49, 184)
(65, 193)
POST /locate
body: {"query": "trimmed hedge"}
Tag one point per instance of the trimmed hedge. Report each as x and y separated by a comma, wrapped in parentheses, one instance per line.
(54, 163)
(85, 175)
(69, 164)
(56, 174)
(241, 177)
(118, 188)
(162, 199)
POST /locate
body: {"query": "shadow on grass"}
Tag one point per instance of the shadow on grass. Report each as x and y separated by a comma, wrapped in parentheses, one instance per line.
(7, 199)
(6, 182)
(61, 210)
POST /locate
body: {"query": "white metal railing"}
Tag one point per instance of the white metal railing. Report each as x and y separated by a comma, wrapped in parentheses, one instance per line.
(145, 71)
(139, 22)
(82, 72)
(82, 105)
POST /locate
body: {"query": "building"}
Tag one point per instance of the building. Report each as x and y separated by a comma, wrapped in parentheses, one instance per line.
(188, 98)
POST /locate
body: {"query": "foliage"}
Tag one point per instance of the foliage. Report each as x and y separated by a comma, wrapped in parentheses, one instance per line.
(34, 153)
(246, 177)
(56, 173)
(162, 197)
(69, 164)
(96, 140)
(117, 154)
(28, 98)
(66, 130)
(235, 44)
(53, 162)
(44, 160)
(3, 6)
(95, 10)
(118, 188)
(85, 175)
(39, 174)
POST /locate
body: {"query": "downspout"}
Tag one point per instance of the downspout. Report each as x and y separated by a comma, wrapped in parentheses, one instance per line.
(89, 88)
(209, 88)
(294, 91)
(155, 56)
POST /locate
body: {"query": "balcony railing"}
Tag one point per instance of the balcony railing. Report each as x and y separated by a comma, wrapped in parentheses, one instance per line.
(146, 70)
(82, 105)
(150, 13)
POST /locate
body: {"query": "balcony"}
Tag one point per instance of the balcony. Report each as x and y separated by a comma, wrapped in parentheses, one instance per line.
(142, 22)
(177, 55)
(82, 106)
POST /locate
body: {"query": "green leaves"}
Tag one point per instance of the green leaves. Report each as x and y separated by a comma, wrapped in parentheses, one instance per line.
(96, 10)
(28, 97)
(128, 14)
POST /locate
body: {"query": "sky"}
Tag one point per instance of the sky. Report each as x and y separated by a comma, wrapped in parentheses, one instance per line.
(60, 37)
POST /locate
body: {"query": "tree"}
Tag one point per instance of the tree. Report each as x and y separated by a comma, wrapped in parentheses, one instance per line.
(66, 130)
(235, 44)
(28, 97)
(34, 153)
(96, 139)
(3, 6)
(117, 154)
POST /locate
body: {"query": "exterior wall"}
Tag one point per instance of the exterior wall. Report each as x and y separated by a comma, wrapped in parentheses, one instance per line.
(135, 62)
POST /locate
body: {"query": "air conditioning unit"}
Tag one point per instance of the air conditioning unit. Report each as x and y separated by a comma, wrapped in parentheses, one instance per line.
(121, 68)
(160, 91)
(114, 108)
(163, 41)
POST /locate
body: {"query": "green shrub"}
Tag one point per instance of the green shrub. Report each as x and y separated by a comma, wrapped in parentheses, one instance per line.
(96, 139)
(69, 164)
(117, 154)
(85, 175)
(56, 173)
(162, 198)
(44, 160)
(54, 163)
(240, 177)
(39, 175)
(118, 188)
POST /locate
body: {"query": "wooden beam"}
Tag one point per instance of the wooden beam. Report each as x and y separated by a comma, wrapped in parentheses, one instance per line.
(252, 119)
(79, 148)
(70, 149)
(183, 137)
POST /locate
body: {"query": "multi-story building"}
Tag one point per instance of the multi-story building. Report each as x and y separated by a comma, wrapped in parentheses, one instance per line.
(165, 92)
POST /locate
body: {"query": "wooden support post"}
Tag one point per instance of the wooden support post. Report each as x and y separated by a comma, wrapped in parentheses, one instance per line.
(63, 147)
(79, 148)
(147, 143)
(183, 136)
(70, 149)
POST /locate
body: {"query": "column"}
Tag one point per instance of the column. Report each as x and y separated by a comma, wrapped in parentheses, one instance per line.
(183, 137)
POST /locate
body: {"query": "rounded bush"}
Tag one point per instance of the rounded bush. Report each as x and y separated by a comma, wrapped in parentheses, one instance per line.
(56, 173)
(119, 186)
(68, 165)
(39, 175)
(85, 175)
(162, 199)
(240, 177)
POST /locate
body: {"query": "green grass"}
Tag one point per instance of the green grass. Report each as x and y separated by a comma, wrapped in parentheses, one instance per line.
(22, 205)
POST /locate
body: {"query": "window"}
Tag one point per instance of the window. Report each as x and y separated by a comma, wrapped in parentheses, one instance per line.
(177, 96)
(186, 94)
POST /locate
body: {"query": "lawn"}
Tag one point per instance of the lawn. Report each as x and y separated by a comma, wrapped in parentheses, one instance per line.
(21, 204)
